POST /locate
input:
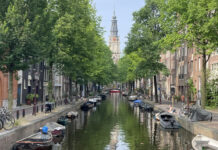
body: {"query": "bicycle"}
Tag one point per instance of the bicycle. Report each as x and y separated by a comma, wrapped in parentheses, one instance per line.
(6, 119)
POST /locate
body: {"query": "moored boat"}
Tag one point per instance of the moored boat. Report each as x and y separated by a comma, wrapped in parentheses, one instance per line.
(87, 105)
(37, 141)
(72, 114)
(115, 91)
(57, 131)
(63, 120)
(146, 107)
(132, 97)
(103, 96)
(201, 142)
(168, 121)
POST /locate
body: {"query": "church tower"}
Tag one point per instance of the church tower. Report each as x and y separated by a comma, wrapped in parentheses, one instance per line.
(114, 40)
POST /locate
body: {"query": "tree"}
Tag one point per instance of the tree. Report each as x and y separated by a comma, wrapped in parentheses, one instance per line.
(143, 38)
(194, 22)
(18, 43)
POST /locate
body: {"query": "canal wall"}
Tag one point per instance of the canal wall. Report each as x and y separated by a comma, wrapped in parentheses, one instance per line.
(209, 129)
(8, 138)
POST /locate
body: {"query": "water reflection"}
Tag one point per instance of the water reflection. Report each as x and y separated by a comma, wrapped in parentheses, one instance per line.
(117, 126)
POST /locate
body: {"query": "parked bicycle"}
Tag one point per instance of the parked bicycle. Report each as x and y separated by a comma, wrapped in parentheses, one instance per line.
(7, 120)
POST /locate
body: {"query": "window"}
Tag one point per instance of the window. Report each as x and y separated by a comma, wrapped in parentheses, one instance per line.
(185, 68)
(199, 64)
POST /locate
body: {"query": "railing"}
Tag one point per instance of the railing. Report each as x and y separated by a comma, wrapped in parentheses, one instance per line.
(28, 110)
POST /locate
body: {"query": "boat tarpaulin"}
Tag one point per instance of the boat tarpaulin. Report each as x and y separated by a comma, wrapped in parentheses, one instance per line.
(198, 114)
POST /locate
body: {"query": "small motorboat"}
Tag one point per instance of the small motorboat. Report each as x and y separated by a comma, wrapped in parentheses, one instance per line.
(137, 102)
(87, 105)
(132, 97)
(115, 91)
(37, 141)
(146, 107)
(72, 114)
(168, 121)
(124, 93)
(103, 96)
(63, 120)
(93, 101)
(56, 130)
(201, 142)
(98, 98)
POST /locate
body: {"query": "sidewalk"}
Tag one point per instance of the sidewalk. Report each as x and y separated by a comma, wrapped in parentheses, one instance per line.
(207, 128)
(31, 124)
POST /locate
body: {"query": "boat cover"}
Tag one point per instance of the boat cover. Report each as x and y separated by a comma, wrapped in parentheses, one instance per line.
(198, 114)
(54, 126)
(137, 101)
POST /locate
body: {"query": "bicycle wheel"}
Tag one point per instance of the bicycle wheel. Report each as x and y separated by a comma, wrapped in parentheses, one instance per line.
(8, 123)
(12, 118)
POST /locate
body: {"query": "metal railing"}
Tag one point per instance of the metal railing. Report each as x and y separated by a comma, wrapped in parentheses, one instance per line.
(23, 111)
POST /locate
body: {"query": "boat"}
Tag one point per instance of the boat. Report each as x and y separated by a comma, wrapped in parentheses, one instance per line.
(201, 142)
(72, 114)
(103, 96)
(157, 116)
(114, 91)
(98, 98)
(87, 105)
(63, 120)
(146, 107)
(132, 97)
(125, 94)
(56, 130)
(168, 121)
(37, 141)
(137, 102)
(93, 100)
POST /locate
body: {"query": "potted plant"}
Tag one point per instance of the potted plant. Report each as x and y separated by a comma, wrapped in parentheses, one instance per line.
(29, 99)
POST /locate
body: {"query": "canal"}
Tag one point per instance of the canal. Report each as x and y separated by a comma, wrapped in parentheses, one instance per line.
(114, 125)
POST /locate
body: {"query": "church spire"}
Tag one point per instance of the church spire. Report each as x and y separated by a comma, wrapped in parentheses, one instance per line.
(114, 30)
(114, 41)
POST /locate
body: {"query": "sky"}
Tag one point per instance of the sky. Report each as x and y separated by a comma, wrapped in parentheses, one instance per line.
(123, 11)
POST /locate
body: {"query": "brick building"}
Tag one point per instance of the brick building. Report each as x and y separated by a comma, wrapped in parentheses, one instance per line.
(4, 90)
(183, 64)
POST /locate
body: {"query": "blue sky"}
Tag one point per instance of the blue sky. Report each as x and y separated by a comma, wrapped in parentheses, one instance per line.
(124, 10)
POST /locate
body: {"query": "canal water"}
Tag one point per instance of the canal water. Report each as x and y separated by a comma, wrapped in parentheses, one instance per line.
(114, 125)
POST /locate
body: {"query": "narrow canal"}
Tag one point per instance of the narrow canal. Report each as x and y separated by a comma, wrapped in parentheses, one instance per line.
(114, 125)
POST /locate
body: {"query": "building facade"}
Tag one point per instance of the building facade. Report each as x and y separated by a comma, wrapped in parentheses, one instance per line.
(4, 90)
(114, 40)
(184, 64)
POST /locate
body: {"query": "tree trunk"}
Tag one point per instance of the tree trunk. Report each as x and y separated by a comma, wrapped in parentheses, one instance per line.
(155, 89)
(203, 83)
(151, 89)
(10, 90)
(70, 89)
(76, 90)
(144, 86)
(50, 82)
